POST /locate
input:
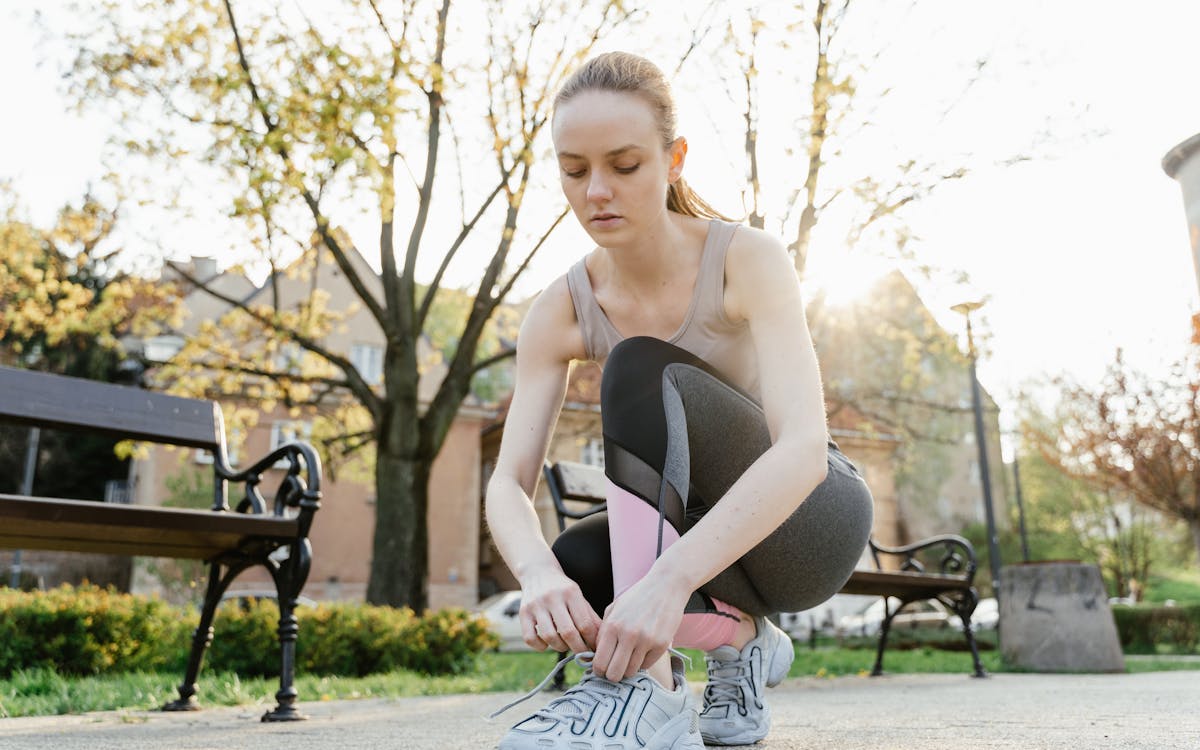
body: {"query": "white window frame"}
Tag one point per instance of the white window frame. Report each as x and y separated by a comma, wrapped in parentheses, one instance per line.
(368, 360)
(591, 453)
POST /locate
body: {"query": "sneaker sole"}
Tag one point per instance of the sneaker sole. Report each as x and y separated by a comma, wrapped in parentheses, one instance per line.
(748, 737)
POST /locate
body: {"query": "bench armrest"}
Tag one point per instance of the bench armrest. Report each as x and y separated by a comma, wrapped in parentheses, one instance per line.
(300, 487)
(957, 556)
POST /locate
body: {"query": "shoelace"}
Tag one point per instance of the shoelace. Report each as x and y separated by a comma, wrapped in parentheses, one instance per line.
(725, 680)
(578, 700)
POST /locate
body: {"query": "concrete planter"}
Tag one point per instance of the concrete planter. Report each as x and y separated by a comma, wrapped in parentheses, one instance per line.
(1054, 617)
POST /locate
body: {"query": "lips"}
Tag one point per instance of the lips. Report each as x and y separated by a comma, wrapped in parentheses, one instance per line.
(605, 217)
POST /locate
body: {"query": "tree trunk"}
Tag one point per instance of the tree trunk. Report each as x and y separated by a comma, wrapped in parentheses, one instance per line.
(400, 559)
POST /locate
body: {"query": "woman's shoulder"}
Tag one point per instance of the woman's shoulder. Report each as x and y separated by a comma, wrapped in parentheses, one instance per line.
(749, 245)
(551, 325)
(754, 261)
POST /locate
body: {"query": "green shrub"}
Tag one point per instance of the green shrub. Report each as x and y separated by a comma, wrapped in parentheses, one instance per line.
(88, 630)
(1154, 629)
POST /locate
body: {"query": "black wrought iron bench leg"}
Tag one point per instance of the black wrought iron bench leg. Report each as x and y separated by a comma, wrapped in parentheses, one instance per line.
(289, 580)
(218, 581)
(884, 629)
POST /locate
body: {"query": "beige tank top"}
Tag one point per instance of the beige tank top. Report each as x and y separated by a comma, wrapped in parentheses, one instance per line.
(706, 331)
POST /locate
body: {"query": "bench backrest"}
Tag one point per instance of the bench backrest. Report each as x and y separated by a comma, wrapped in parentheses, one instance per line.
(55, 401)
(580, 483)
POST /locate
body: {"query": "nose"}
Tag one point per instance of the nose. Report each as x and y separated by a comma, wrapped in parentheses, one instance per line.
(598, 189)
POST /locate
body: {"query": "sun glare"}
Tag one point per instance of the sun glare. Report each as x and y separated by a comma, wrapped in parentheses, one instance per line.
(843, 276)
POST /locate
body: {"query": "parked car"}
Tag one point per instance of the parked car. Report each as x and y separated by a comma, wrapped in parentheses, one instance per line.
(986, 615)
(502, 611)
(928, 614)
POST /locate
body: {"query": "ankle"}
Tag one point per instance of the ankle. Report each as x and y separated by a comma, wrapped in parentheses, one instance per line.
(746, 631)
(661, 672)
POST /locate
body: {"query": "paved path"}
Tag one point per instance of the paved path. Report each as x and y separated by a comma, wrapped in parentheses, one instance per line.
(1154, 711)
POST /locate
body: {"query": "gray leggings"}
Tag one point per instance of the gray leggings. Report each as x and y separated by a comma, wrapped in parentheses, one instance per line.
(678, 436)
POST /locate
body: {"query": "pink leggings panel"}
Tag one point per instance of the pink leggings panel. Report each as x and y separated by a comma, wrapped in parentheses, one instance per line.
(633, 535)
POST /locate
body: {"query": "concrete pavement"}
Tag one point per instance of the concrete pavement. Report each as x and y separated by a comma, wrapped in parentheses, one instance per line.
(1151, 711)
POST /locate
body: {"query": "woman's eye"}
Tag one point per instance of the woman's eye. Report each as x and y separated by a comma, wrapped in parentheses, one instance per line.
(576, 174)
(628, 170)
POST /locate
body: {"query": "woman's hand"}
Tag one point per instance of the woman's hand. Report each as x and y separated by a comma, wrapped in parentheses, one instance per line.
(555, 615)
(639, 626)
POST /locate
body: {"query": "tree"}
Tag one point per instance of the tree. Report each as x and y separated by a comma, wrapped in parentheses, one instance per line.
(302, 118)
(1069, 519)
(1133, 436)
(804, 169)
(64, 306)
(840, 88)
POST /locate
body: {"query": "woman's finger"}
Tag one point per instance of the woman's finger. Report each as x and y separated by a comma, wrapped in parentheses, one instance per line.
(567, 629)
(529, 630)
(619, 663)
(547, 629)
(587, 623)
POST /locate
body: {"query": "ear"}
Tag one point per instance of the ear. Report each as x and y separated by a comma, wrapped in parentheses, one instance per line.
(676, 155)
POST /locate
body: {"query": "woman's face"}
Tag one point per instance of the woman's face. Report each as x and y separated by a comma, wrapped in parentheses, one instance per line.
(612, 164)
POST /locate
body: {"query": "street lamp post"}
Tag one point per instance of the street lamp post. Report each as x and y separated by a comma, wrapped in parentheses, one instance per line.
(966, 308)
(1020, 508)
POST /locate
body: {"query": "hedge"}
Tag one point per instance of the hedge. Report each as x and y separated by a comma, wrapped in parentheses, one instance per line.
(89, 630)
(1155, 629)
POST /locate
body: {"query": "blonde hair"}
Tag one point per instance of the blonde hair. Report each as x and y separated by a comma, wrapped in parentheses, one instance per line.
(629, 73)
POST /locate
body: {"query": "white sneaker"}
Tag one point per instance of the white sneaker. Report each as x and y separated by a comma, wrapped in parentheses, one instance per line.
(734, 710)
(631, 714)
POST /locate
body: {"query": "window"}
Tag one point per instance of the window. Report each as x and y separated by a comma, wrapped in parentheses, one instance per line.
(286, 432)
(368, 360)
(162, 348)
(592, 453)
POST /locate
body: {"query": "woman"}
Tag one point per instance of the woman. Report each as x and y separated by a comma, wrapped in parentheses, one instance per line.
(726, 499)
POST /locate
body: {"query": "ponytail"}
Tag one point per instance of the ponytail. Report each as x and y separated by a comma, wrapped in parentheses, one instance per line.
(683, 200)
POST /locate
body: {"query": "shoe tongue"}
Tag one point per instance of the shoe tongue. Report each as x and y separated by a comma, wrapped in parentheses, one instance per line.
(724, 653)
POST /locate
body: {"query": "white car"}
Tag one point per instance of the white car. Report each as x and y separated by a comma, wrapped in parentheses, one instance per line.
(502, 611)
(925, 614)
(986, 615)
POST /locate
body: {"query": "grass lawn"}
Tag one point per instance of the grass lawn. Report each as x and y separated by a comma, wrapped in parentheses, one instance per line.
(1181, 585)
(43, 692)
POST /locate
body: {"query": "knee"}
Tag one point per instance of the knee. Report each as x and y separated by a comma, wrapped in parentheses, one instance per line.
(586, 559)
(631, 360)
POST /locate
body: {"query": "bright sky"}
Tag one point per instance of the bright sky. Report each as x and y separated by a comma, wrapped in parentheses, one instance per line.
(1082, 250)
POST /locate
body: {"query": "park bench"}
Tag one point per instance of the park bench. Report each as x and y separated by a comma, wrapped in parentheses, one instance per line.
(256, 531)
(941, 567)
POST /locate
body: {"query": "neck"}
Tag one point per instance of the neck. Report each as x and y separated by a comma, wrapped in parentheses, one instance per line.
(645, 263)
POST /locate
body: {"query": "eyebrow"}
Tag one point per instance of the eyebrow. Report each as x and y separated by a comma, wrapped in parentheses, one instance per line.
(614, 152)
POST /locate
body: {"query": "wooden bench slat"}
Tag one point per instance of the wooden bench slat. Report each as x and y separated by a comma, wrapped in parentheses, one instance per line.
(113, 547)
(80, 526)
(900, 583)
(581, 482)
(59, 402)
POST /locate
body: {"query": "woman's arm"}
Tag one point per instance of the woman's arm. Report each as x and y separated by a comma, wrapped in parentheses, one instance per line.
(554, 612)
(761, 288)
